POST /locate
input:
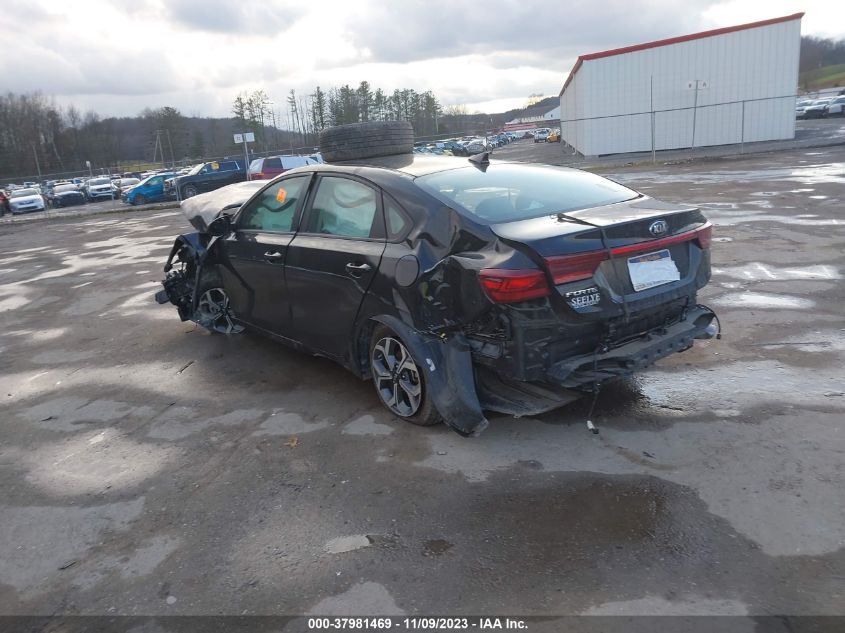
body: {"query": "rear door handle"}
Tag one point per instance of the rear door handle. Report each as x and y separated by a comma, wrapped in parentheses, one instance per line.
(273, 256)
(356, 270)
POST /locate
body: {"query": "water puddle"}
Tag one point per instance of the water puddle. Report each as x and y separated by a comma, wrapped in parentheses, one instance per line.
(730, 216)
(820, 341)
(810, 175)
(739, 385)
(763, 300)
(757, 271)
(436, 547)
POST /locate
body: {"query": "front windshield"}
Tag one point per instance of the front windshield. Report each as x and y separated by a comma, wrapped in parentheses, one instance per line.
(63, 188)
(508, 192)
(99, 181)
(19, 193)
(196, 169)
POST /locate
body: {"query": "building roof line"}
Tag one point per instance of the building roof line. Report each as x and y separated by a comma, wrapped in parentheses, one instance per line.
(675, 40)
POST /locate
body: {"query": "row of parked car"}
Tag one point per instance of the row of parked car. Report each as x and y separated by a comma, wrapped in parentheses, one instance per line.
(137, 188)
(820, 108)
(464, 146)
(469, 145)
(32, 196)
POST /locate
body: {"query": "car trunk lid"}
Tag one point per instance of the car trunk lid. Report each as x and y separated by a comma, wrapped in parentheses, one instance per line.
(615, 259)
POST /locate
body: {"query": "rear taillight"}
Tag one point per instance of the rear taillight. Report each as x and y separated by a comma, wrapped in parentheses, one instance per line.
(566, 268)
(704, 235)
(512, 286)
(580, 266)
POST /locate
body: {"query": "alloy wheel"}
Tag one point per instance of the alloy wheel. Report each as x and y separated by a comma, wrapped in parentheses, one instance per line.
(397, 377)
(213, 312)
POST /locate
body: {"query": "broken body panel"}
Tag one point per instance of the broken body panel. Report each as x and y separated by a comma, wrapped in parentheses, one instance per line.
(432, 286)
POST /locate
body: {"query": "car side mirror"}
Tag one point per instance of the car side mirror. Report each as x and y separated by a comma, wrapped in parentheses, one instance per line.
(221, 226)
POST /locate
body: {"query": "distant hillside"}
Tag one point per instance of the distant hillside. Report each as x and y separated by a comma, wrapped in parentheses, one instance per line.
(825, 77)
(544, 105)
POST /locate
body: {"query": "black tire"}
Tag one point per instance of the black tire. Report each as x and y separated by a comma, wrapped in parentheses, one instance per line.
(366, 140)
(139, 199)
(189, 191)
(425, 413)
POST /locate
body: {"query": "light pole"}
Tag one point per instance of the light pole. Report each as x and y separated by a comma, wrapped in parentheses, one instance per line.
(275, 129)
(37, 164)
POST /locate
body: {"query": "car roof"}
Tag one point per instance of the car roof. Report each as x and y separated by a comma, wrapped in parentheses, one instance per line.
(411, 164)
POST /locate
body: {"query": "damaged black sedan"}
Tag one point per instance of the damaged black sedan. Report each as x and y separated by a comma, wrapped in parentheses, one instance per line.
(455, 285)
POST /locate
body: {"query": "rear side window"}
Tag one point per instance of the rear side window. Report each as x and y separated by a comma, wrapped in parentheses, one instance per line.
(343, 207)
(229, 166)
(273, 210)
(397, 223)
(507, 193)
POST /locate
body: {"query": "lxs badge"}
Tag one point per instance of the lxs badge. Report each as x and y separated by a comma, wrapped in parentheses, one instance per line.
(583, 298)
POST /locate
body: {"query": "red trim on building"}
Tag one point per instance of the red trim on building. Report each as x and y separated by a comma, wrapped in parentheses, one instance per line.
(675, 40)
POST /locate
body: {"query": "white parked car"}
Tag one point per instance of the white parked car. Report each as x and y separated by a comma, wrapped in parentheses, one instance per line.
(26, 200)
(800, 107)
(476, 146)
(837, 107)
(817, 109)
(541, 135)
(98, 189)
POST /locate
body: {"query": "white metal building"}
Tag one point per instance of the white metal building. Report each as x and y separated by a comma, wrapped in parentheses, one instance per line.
(729, 85)
(533, 118)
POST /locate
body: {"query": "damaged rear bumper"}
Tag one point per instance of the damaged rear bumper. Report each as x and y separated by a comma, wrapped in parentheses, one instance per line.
(625, 359)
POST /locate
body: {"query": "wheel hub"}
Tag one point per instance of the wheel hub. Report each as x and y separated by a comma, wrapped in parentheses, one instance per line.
(213, 312)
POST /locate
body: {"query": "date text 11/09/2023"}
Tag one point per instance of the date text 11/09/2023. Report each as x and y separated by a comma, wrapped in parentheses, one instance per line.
(416, 624)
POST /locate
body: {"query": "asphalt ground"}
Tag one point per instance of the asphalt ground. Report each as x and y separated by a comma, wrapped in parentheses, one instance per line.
(149, 467)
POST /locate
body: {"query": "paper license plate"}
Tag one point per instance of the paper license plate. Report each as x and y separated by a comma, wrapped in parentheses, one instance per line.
(652, 269)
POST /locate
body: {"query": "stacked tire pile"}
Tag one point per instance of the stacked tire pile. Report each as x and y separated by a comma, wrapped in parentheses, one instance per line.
(366, 140)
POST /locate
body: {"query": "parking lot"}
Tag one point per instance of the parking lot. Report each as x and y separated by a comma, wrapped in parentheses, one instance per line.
(149, 467)
(808, 133)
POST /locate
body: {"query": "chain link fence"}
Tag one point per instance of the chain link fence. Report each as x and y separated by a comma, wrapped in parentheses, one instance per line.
(734, 122)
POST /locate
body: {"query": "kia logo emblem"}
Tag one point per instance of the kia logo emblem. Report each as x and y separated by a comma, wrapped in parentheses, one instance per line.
(658, 227)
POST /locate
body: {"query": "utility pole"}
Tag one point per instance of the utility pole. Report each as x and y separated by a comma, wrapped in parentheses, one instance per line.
(37, 165)
(159, 148)
(173, 161)
(275, 130)
(694, 113)
(697, 84)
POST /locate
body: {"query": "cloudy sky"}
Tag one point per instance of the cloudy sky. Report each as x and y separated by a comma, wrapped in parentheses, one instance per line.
(120, 56)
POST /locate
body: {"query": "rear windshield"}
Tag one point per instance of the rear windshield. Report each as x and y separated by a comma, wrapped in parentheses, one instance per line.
(507, 192)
